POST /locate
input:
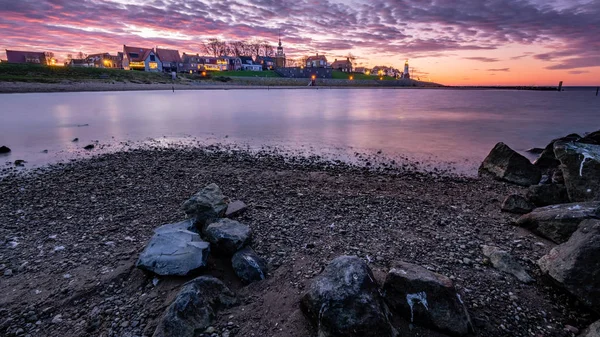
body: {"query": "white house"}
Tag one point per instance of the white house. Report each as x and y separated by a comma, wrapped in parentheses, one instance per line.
(144, 59)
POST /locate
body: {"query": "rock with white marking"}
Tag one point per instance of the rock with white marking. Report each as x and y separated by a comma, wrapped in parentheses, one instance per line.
(547, 159)
(426, 298)
(558, 222)
(344, 300)
(575, 265)
(504, 262)
(248, 266)
(580, 165)
(505, 164)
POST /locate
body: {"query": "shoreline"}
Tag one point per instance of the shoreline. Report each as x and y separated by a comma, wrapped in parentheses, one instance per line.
(72, 234)
(90, 86)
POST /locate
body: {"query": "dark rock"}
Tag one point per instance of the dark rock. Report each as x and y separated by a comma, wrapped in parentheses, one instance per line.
(515, 203)
(248, 266)
(535, 150)
(20, 162)
(228, 236)
(591, 138)
(505, 164)
(592, 331)
(89, 147)
(344, 300)
(235, 208)
(547, 160)
(195, 308)
(75, 139)
(205, 206)
(4, 149)
(580, 165)
(547, 194)
(558, 222)
(174, 251)
(427, 298)
(504, 262)
(575, 264)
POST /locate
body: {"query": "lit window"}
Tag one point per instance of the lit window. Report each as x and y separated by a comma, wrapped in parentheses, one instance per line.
(153, 65)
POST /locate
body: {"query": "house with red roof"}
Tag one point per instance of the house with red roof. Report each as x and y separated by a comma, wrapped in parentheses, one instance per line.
(16, 56)
(105, 60)
(171, 60)
(318, 61)
(144, 59)
(342, 65)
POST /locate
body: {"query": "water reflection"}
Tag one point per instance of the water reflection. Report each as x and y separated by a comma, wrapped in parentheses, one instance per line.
(449, 125)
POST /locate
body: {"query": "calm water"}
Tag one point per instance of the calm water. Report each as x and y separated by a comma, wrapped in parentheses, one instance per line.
(457, 126)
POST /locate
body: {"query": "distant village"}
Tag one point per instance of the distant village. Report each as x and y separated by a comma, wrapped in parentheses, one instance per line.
(217, 56)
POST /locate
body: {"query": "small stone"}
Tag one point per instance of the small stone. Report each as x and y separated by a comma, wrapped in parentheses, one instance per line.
(89, 147)
(235, 208)
(75, 139)
(57, 319)
(8, 272)
(572, 329)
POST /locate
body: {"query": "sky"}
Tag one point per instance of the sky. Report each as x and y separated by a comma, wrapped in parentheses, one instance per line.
(454, 42)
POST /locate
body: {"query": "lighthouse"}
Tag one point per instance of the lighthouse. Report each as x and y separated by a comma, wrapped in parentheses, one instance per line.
(406, 74)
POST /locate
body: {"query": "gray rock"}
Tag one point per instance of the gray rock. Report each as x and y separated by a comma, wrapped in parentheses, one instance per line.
(515, 203)
(89, 147)
(187, 225)
(505, 164)
(558, 222)
(228, 236)
(206, 205)
(591, 138)
(575, 264)
(592, 331)
(426, 298)
(547, 160)
(580, 165)
(195, 308)
(344, 300)
(248, 266)
(504, 262)
(235, 208)
(547, 194)
(174, 251)
(4, 149)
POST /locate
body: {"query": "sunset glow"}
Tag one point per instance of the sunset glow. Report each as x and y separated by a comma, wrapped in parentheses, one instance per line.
(464, 42)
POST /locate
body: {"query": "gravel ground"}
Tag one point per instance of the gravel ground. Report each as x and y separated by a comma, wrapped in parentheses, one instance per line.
(70, 235)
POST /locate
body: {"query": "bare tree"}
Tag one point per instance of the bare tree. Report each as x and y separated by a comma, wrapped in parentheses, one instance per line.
(69, 57)
(266, 48)
(236, 48)
(254, 47)
(81, 55)
(215, 47)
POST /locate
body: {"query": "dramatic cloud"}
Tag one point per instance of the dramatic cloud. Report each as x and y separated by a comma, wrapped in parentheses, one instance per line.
(563, 33)
(482, 59)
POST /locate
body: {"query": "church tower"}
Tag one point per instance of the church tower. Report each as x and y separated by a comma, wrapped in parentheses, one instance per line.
(406, 74)
(280, 56)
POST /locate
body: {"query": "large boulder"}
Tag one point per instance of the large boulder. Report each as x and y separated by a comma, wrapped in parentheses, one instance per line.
(575, 264)
(592, 331)
(207, 205)
(195, 308)
(547, 160)
(248, 266)
(547, 194)
(344, 300)
(174, 250)
(228, 236)
(591, 138)
(504, 262)
(558, 222)
(506, 164)
(515, 203)
(427, 298)
(580, 165)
